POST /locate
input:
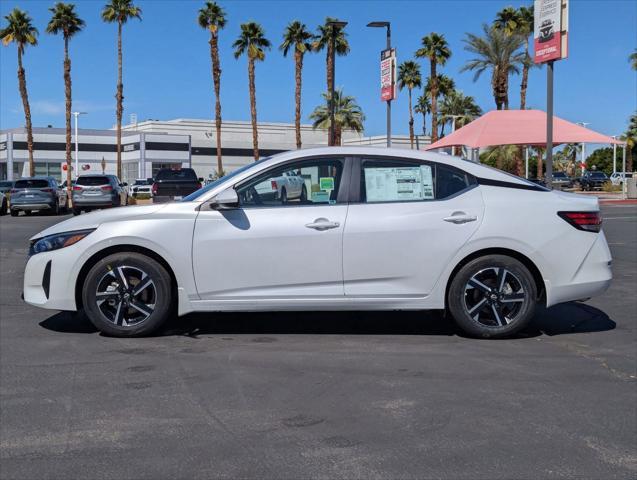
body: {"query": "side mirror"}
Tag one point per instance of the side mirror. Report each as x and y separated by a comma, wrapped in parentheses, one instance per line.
(200, 179)
(123, 184)
(225, 200)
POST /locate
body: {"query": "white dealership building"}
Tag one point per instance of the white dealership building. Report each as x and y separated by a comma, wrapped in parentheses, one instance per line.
(150, 145)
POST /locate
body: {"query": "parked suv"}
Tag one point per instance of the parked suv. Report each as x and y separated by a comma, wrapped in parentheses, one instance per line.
(592, 180)
(174, 183)
(37, 193)
(142, 186)
(5, 190)
(98, 191)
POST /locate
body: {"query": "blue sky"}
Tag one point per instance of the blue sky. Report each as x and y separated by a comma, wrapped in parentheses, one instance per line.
(167, 63)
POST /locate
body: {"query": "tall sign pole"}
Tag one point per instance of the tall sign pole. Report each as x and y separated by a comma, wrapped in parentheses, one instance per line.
(393, 81)
(550, 41)
(387, 74)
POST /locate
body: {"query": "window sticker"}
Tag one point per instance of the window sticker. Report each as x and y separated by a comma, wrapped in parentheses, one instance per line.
(399, 184)
(326, 183)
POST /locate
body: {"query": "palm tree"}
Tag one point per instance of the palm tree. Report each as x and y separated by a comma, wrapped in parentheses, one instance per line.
(518, 22)
(459, 110)
(297, 36)
(435, 48)
(213, 18)
(253, 43)
(66, 21)
(409, 77)
(499, 52)
(630, 137)
(446, 86)
(503, 157)
(328, 35)
(20, 30)
(423, 106)
(120, 11)
(633, 60)
(347, 115)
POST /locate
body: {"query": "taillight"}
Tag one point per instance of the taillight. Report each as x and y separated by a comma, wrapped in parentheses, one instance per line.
(154, 189)
(589, 221)
(273, 183)
(199, 185)
(76, 188)
(14, 190)
(107, 188)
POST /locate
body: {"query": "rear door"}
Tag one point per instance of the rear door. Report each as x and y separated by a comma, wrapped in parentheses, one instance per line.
(410, 220)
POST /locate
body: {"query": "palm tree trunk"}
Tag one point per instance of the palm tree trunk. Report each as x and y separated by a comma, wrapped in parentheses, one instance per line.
(540, 164)
(120, 100)
(253, 108)
(525, 75)
(424, 124)
(330, 78)
(67, 93)
(22, 82)
(442, 129)
(434, 102)
(337, 134)
(505, 90)
(298, 57)
(411, 122)
(216, 77)
(518, 162)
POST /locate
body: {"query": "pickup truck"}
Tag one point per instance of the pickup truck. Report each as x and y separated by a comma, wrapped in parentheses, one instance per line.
(592, 180)
(174, 183)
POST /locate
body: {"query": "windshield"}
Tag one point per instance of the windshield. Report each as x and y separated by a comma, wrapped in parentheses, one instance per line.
(217, 182)
(598, 175)
(559, 174)
(142, 182)
(32, 184)
(92, 181)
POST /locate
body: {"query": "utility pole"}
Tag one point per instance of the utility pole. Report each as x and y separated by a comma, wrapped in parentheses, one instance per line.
(388, 26)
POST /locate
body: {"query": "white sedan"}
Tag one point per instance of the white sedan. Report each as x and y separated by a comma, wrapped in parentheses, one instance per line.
(382, 229)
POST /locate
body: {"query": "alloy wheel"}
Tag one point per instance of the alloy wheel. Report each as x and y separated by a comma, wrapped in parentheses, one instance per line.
(494, 297)
(125, 295)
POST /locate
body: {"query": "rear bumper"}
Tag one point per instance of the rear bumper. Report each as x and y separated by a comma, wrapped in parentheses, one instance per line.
(82, 202)
(592, 278)
(31, 206)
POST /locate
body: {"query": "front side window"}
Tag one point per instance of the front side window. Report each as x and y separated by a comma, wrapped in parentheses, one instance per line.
(305, 182)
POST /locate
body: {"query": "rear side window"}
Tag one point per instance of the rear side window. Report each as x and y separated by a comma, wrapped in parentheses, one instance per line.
(396, 180)
(5, 184)
(92, 181)
(183, 174)
(32, 184)
(451, 181)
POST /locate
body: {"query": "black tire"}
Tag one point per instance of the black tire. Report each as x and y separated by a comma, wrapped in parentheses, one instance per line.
(3, 207)
(76, 211)
(116, 316)
(284, 196)
(14, 212)
(55, 210)
(27, 212)
(303, 197)
(486, 305)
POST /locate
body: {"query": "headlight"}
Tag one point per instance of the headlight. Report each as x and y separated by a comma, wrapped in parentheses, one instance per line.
(56, 241)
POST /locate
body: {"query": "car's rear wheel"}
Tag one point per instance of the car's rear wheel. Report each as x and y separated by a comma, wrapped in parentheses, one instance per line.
(303, 194)
(284, 196)
(14, 212)
(76, 211)
(127, 295)
(492, 296)
(3, 207)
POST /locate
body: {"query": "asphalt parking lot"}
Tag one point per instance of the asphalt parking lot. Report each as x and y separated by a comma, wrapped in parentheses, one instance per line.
(321, 395)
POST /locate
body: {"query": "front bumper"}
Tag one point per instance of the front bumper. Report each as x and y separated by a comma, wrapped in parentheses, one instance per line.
(60, 294)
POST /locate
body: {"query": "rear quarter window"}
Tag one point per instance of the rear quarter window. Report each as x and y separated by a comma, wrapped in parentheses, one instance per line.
(183, 174)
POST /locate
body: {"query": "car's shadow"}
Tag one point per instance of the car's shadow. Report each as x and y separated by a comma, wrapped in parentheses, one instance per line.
(559, 320)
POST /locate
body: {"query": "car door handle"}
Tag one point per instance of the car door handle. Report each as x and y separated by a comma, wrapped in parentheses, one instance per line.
(460, 217)
(321, 224)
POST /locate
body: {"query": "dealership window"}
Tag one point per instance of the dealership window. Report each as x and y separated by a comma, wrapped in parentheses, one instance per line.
(3, 171)
(19, 170)
(392, 180)
(306, 182)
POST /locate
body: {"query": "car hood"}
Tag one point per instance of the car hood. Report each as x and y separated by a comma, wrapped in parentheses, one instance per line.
(97, 218)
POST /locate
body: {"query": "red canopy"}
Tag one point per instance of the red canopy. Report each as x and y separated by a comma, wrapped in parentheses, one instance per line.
(518, 127)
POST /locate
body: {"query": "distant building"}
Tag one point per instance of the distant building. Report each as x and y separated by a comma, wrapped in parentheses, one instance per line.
(152, 144)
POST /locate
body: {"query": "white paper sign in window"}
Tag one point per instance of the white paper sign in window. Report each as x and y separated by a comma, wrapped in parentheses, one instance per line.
(391, 184)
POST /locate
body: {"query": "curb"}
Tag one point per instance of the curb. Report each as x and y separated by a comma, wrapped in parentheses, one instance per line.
(619, 202)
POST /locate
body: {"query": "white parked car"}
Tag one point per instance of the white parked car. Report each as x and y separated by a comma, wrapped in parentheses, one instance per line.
(617, 177)
(288, 186)
(143, 186)
(383, 230)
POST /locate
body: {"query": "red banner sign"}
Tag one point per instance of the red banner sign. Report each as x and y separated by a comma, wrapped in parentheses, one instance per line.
(550, 30)
(387, 75)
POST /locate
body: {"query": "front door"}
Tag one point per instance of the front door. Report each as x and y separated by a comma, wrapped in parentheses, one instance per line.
(411, 220)
(280, 243)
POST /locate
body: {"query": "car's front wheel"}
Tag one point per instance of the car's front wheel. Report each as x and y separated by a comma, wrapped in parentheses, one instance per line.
(127, 295)
(493, 296)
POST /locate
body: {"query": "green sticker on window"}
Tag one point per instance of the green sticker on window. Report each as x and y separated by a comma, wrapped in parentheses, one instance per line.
(326, 183)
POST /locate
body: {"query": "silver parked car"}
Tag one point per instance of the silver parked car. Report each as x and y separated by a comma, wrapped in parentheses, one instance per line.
(37, 193)
(98, 191)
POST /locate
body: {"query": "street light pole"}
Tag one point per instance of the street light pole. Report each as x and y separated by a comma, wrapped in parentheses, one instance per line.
(614, 155)
(548, 174)
(335, 26)
(77, 147)
(387, 25)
